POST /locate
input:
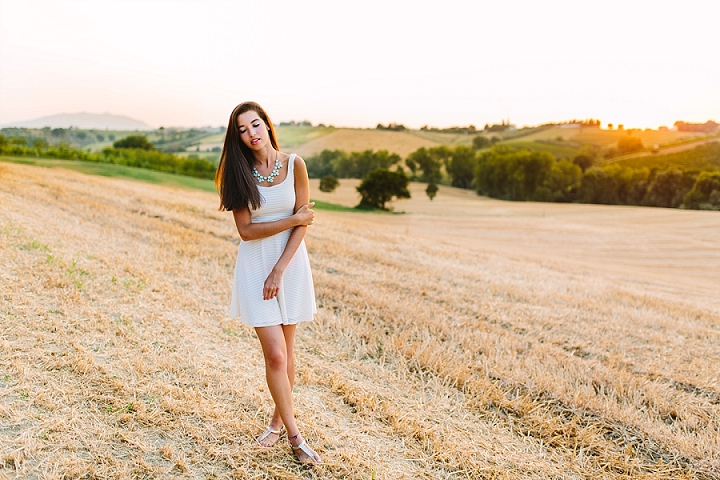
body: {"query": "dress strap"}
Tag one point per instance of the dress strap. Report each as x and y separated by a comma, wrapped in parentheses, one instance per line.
(291, 162)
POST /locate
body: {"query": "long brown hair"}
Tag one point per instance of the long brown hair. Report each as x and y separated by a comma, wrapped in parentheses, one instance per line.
(233, 178)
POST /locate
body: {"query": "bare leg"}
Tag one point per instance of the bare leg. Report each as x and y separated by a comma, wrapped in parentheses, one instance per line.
(289, 331)
(276, 423)
(280, 375)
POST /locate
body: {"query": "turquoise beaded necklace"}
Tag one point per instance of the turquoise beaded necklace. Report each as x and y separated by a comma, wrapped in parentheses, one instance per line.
(271, 176)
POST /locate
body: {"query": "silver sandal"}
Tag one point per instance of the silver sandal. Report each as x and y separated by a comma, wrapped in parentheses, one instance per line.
(269, 431)
(314, 457)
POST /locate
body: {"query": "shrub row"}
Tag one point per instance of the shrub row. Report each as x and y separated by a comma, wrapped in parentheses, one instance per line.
(133, 157)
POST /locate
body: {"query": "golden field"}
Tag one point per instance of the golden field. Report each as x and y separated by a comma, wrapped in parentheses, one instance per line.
(465, 338)
(358, 140)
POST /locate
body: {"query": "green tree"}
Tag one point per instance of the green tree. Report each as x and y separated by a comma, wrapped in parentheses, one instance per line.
(461, 166)
(359, 164)
(441, 154)
(705, 193)
(562, 182)
(667, 189)
(323, 163)
(412, 165)
(531, 170)
(428, 162)
(328, 183)
(599, 186)
(40, 145)
(431, 190)
(629, 144)
(513, 174)
(480, 142)
(586, 157)
(380, 186)
(134, 141)
(583, 161)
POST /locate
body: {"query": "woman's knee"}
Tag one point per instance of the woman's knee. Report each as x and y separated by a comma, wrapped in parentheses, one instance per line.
(276, 359)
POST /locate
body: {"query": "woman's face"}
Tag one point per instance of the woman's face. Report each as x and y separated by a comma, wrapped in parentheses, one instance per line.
(253, 130)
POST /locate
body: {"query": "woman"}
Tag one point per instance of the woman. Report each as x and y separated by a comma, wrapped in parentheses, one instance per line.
(268, 192)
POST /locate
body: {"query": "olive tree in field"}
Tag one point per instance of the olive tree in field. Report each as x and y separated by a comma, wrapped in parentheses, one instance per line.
(328, 184)
(380, 186)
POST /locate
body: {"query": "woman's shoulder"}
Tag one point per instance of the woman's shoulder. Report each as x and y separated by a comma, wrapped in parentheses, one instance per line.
(297, 161)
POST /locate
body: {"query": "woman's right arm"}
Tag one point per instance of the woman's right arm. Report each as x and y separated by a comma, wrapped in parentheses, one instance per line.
(255, 231)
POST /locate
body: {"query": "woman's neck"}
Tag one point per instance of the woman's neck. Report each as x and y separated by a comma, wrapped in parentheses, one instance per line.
(266, 155)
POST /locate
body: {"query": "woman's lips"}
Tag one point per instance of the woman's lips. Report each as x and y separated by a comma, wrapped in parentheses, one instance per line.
(254, 141)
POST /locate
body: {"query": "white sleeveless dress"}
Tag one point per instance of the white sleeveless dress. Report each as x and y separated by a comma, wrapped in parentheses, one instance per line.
(295, 301)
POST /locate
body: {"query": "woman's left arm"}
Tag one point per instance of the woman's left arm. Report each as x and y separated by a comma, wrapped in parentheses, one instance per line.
(302, 197)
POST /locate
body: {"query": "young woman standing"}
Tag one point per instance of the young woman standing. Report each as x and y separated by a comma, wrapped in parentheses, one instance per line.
(269, 195)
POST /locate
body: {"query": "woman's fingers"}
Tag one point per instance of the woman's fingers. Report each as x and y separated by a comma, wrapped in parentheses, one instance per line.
(307, 206)
(270, 291)
(305, 215)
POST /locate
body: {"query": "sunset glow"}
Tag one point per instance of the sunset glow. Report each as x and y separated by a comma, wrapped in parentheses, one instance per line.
(641, 64)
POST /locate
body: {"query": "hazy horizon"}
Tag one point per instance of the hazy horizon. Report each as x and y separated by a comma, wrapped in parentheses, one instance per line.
(356, 65)
(25, 123)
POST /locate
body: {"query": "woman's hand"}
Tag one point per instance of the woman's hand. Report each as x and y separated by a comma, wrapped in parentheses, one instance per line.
(305, 215)
(272, 285)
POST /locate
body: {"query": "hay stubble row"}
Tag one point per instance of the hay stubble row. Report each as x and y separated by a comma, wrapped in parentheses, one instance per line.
(466, 339)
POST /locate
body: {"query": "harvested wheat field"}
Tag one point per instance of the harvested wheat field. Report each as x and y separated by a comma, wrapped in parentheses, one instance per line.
(467, 338)
(358, 140)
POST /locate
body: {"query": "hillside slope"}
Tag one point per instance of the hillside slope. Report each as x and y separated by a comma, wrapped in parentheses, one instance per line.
(358, 140)
(84, 120)
(701, 154)
(468, 338)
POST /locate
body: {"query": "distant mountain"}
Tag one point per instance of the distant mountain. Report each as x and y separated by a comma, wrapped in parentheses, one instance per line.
(84, 121)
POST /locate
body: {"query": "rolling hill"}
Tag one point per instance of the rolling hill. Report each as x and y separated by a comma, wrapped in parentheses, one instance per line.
(84, 120)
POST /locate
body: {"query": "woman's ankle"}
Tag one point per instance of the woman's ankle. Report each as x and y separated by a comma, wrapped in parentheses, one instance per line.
(295, 440)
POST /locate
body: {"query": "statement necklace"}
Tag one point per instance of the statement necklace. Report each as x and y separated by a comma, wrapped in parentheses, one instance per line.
(271, 176)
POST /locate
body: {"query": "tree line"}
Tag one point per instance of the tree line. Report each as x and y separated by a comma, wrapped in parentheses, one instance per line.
(508, 173)
(132, 151)
(498, 171)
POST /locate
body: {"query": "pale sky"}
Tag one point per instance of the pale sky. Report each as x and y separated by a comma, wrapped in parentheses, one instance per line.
(345, 63)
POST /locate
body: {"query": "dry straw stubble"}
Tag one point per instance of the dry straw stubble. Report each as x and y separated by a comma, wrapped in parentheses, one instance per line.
(442, 349)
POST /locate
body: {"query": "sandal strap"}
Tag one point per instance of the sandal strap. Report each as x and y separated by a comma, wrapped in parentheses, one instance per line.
(306, 450)
(269, 431)
(303, 446)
